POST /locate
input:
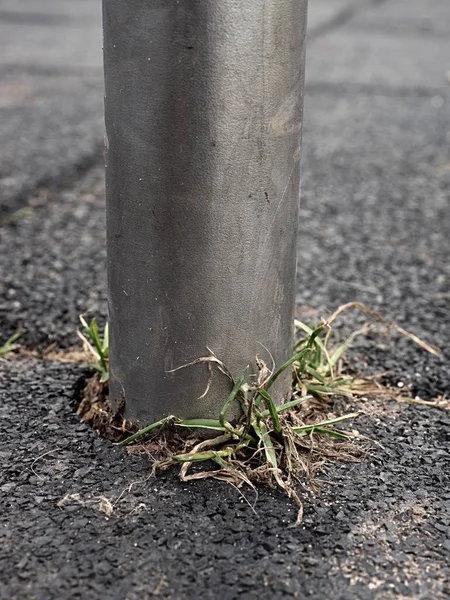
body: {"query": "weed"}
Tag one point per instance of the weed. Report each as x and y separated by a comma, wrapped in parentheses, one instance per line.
(10, 345)
(281, 444)
(17, 216)
(270, 442)
(97, 346)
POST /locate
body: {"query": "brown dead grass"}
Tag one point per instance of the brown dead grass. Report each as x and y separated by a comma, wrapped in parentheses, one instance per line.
(95, 408)
(74, 354)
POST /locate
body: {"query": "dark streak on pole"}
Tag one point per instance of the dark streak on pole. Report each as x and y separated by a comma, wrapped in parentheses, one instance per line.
(203, 119)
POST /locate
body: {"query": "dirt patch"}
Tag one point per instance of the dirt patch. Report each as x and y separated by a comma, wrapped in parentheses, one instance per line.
(92, 405)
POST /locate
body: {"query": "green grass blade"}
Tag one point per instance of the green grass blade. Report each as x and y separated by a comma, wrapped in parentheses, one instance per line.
(315, 335)
(15, 336)
(269, 451)
(342, 381)
(263, 436)
(220, 461)
(88, 338)
(202, 456)
(323, 431)
(324, 423)
(286, 365)
(93, 328)
(311, 343)
(318, 342)
(9, 345)
(332, 433)
(286, 405)
(326, 390)
(315, 374)
(318, 357)
(203, 424)
(303, 327)
(338, 353)
(272, 411)
(144, 431)
(95, 337)
(98, 347)
(234, 392)
(334, 387)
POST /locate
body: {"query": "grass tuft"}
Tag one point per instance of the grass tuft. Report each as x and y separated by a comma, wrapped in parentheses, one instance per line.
(273, 443)
(96, 345)
(10, 345)
(280, 444)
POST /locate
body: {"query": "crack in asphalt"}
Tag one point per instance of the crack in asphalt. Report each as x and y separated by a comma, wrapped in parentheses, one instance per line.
(30, 18)
(67, 70)
(67, 178)
(344, 88)
(341, 19)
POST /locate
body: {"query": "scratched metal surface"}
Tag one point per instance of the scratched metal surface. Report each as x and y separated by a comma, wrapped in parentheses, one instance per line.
(203, 120)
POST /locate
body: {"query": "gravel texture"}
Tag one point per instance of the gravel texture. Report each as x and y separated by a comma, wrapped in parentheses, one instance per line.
(374, 228)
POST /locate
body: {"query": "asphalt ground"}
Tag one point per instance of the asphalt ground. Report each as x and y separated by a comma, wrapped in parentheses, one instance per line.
(374, 228)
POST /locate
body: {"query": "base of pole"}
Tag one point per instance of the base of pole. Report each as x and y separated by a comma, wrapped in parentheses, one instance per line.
(203, 119)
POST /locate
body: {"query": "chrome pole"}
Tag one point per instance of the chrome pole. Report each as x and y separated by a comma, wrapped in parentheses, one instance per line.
(203, 112)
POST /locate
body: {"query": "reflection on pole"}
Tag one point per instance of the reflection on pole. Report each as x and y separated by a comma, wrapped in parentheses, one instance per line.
(203, 119)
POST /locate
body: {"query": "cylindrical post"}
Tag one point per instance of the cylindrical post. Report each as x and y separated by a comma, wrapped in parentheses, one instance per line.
(203, 131)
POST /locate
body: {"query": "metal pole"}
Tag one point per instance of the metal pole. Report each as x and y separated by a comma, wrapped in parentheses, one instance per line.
(203, 119)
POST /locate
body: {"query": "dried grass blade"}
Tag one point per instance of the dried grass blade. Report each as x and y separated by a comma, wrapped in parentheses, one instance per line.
(390, 324)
